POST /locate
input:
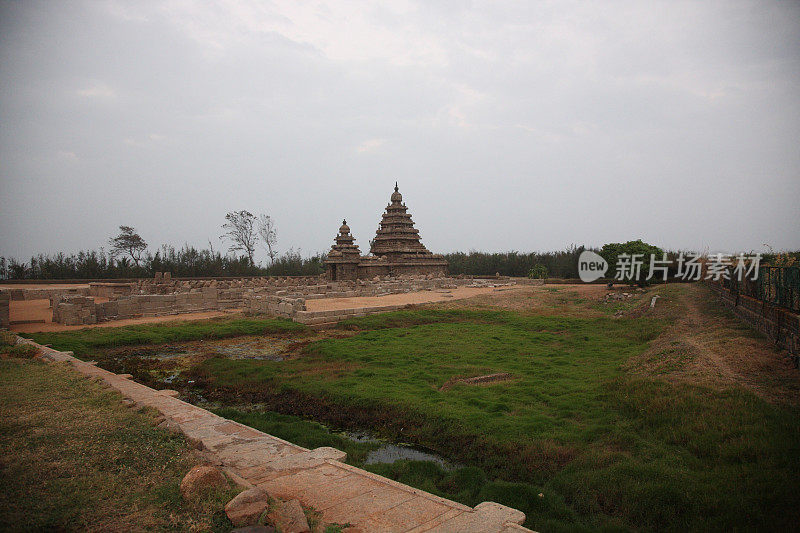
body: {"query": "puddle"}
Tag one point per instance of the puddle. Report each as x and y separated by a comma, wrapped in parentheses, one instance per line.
(389, 453)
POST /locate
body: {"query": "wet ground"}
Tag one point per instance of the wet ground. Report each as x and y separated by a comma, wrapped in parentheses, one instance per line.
(265, 348)
(163, 366)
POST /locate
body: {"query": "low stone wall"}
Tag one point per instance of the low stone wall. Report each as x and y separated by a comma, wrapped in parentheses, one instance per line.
(111, 290)
(283, 297)
(324, 318)
(777, 323)
(45, 293)
(74, 310)
(266, 304)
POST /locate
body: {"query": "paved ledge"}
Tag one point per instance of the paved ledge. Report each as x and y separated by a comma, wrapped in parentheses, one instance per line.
(318, 478)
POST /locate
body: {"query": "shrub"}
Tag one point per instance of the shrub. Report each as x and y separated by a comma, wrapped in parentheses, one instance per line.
(538, 272)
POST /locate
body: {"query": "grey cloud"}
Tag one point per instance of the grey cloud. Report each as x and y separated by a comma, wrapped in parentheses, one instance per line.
(519, 126)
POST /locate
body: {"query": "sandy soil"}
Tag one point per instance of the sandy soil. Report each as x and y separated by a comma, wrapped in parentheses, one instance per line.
(29, 311)
(422, 297)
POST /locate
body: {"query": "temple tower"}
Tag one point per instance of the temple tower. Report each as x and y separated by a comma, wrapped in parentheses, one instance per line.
(396, 236)
(343, 259)
(395, 251)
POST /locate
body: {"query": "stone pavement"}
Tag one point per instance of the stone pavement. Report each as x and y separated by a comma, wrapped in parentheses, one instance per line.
(342, 493)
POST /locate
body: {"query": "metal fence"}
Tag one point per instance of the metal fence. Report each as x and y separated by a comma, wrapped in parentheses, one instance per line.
(777, 285)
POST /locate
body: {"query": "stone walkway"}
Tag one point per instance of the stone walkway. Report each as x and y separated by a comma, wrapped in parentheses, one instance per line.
(344, 494)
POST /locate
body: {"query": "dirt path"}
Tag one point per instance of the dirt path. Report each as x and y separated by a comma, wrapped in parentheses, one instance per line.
(708, 346)
(422, 297)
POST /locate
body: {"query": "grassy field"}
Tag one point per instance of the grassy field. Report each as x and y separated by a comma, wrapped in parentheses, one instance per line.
(73, 458)
(678, 418)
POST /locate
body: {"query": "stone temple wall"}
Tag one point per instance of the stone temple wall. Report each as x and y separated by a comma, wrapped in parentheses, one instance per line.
(43, 293)
(73, 310)
(283, 297)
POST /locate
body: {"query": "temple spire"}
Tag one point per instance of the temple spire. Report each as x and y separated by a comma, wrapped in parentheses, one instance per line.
(396, 236)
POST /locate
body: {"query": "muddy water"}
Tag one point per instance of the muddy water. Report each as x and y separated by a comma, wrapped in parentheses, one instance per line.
(390, 452)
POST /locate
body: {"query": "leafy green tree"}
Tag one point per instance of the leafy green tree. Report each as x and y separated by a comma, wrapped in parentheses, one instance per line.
(538, 272)
(611, 252)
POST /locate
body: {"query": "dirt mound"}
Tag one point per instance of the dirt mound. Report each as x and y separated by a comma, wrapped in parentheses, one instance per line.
(477, 380)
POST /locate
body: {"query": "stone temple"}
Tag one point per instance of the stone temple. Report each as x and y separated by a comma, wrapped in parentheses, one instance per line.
(395, 251)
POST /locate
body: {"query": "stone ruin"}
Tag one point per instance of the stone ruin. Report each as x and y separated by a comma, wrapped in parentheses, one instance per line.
(277, 296)
(398, 263)
(395, 251)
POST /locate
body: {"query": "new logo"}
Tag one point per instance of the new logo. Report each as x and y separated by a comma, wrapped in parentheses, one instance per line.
(591, 266)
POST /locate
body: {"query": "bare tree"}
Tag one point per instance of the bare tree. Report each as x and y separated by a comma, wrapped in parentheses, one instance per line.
(266, 228)
(240, 230)
(127, 243)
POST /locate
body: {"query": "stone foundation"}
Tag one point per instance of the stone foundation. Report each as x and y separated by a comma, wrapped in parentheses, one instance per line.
(74, 310)
(265, 304)
(282, 297)
(43, 293)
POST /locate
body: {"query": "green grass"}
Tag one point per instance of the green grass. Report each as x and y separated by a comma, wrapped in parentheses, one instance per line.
(572, 439)
(83, 342)
(605, 449)
(560, 366)
(72, 457)
(9, 348)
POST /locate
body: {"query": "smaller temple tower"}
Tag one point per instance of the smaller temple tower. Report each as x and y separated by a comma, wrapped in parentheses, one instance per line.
(343, 259)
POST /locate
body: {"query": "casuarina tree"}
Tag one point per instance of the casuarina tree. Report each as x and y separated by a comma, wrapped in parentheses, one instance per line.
(128, 243)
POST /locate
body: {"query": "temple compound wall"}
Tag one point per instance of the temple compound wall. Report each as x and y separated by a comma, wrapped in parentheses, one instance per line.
(281, 297)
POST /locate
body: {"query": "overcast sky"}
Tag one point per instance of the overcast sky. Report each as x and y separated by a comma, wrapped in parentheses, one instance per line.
(521, 125)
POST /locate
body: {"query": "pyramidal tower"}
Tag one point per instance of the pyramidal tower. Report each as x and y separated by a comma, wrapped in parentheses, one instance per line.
(395, 251)
(397, 237)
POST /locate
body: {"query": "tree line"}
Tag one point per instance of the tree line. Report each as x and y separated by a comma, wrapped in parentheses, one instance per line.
(556, 264)
(189, 261)
(128, 257)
